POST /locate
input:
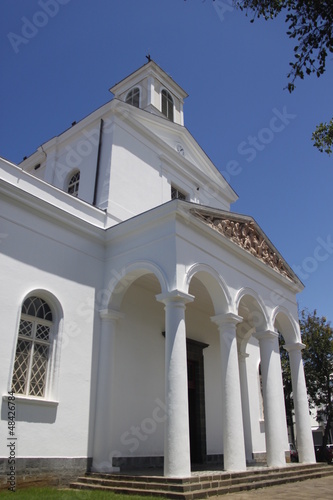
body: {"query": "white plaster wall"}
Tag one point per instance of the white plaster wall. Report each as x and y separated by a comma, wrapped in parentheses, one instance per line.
(37, 254)
(135, 185)
(139, 376)
(78, 153)
(256, 408)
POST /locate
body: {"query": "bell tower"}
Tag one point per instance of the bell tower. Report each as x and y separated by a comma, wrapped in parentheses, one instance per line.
(151, 89)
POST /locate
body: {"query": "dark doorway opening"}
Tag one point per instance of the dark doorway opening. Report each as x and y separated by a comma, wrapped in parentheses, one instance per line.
(196, 401)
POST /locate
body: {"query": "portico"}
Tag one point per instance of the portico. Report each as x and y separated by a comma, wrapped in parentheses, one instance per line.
(192, 294)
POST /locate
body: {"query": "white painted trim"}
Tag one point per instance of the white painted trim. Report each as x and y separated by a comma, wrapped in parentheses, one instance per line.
(31, 400)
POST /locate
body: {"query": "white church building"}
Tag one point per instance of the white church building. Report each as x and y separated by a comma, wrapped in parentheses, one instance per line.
(140, 316)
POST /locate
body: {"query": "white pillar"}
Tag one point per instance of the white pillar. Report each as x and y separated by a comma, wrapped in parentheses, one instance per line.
(232, 421)
(274, 407)
(301, 406)
(181, 102)
(245, 406)
(150, 91)
(102, 449)
(177, 462)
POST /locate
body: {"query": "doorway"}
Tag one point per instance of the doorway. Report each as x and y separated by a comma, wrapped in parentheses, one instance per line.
(196, 400)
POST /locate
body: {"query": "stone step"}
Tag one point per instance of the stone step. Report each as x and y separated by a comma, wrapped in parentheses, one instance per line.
(200, 485)
(204, 477)
(222, 475)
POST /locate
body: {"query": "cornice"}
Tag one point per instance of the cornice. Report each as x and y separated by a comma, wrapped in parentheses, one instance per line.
(92, 225)
(67, 134)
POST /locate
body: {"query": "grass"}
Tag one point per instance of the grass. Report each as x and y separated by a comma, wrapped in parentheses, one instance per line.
(66, 494)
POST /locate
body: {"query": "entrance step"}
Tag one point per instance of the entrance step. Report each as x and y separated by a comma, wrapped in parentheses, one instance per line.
(201, 484)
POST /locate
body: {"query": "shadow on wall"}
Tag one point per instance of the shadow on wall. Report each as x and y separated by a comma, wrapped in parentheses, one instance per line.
(26, 411)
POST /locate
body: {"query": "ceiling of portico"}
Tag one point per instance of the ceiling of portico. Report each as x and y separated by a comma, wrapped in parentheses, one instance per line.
(149, 282)
(202, 299)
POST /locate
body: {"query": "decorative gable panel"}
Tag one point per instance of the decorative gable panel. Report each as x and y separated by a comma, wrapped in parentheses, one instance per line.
(245, 233)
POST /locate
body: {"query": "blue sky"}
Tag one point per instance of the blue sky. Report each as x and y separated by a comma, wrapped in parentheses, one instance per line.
(60, 57)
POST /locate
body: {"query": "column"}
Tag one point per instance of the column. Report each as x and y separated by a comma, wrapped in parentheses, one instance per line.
(245, 406)
(301, 406)
(274, 407)
(232, 421)
(150, 92)
(177, 462)
(181, 102)
(102, 459)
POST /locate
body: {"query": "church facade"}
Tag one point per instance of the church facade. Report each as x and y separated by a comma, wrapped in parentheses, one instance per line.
(140, 315)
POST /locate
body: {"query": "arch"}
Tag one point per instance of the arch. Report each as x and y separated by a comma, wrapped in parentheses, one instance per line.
(133, 97)
(73, 182)
(37, 345)
(251, 307)
(167, 104)
(51, 299)
(285, 323)
(215, 285)
(123, 278)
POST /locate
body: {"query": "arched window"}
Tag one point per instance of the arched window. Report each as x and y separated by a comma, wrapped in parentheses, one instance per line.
(73, 184)
(33, 348)
(167, 104)
(133, 97)
(176, 194)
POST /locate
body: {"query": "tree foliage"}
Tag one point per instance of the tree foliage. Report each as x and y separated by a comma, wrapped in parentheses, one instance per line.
(310, 23)
(317, 335)
(323, 137)
(287, 386)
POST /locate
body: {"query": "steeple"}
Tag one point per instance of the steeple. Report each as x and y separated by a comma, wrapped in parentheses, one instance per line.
(153, 90)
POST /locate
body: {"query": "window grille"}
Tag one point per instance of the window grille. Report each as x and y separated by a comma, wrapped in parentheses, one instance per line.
(176, 194)
(167, 105)
(133, 97)
(73, 184)
(33, 348)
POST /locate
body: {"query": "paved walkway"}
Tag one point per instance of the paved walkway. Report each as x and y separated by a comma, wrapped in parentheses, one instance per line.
(310, 489)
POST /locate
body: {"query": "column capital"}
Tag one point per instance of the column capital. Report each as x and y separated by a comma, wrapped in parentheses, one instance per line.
(297, 346)
(266, 334)
(110, 314)
(226, 319)
(174, 296)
